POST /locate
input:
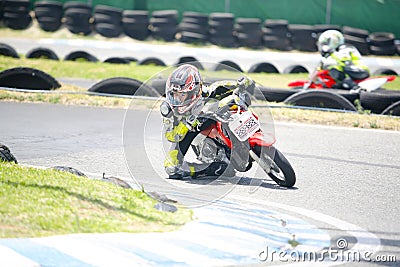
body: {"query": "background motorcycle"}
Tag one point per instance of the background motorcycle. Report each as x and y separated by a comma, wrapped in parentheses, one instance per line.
(322, 79)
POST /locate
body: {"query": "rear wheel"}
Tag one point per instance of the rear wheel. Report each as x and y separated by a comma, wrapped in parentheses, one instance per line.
(274, 163)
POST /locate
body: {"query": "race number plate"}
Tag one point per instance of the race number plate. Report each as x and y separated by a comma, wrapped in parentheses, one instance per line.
(244, 125)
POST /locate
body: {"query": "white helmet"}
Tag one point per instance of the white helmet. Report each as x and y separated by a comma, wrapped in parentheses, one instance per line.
(329, 41)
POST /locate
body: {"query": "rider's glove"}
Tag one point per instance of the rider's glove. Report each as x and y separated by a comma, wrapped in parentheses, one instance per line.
(244, 83)
(192, 123)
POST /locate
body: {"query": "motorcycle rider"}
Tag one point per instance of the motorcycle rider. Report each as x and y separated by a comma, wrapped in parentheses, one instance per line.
(343, 61)
(186, 95)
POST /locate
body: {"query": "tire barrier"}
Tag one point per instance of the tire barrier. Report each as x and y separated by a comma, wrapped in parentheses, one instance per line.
(248, 32)
(123, 86)
(227, 65)
(357, 37)
(275, 94)
(393, 109)
(151, 61)
(163, 24)
(117, 60)
(276, 34)
(135, 24)
(321, 99)
(8, 51)
(49, 15)
(221, 29)
(80, 56)
(41, 52)
(28, 78)
(16, 14)
(263, 67)
(107, 21)
(382, 44)
(77, 17)
(189, 60)
(295, 69)
(6, 155)
(378, 100)
(193, 28)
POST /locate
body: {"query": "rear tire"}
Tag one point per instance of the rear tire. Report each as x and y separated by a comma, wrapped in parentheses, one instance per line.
(281, 171)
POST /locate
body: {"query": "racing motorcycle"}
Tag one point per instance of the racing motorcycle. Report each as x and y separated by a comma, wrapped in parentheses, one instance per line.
(235, 136)
(321, 79)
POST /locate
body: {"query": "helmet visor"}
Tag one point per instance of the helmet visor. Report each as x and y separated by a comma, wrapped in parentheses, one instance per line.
(181, 98)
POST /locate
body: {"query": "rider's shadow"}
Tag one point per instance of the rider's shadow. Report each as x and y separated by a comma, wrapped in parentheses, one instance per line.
(240, 181)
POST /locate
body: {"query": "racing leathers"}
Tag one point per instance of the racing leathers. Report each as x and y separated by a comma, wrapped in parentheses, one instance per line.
(345, 65)
(180, 131)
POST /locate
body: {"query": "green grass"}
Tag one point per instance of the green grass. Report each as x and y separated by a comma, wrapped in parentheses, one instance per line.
(35, 202)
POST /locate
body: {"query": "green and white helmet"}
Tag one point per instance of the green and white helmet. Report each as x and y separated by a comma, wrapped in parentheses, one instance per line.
(329, 40)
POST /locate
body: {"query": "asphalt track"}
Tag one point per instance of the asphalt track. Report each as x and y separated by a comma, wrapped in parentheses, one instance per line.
(346, 190)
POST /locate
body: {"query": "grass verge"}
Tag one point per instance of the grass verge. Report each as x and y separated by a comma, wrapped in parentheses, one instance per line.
(35, 202)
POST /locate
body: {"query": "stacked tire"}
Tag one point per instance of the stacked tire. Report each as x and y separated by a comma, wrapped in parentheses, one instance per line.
(248, 32)
(135, 24)
(382, 44)
(303, 37)
(221, 29)
(49, 15)
(77, 17)
(16, 14)
(163, 24)
(193, 28)
(108, 21)
(357, 37)
(276, 34)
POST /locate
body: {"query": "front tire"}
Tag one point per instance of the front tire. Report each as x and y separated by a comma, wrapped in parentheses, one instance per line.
(278, 168)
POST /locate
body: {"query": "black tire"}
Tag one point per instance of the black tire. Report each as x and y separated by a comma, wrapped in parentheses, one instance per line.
(383, 50)
(320, 98)
(191, 37)
(189, 60)
(117, 60)
(151, 61)
(263, 67)
(275, 94)
(8, 51)
(276, 23)
(42, 52)
(76, 4)
(27, 78)
(378, 100)
(49, 24)
(381, 39)
(385, 71)
(281, 171)
(393, 109)
(360, 43)
(80, 55)
(295, 69)
(17, 21)
(108, 30)
(278, 42)
(228, 65)
(121, 86)
(6, 155)
(356, 32)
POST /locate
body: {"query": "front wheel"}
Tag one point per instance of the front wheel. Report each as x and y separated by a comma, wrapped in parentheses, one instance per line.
(278, 168)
